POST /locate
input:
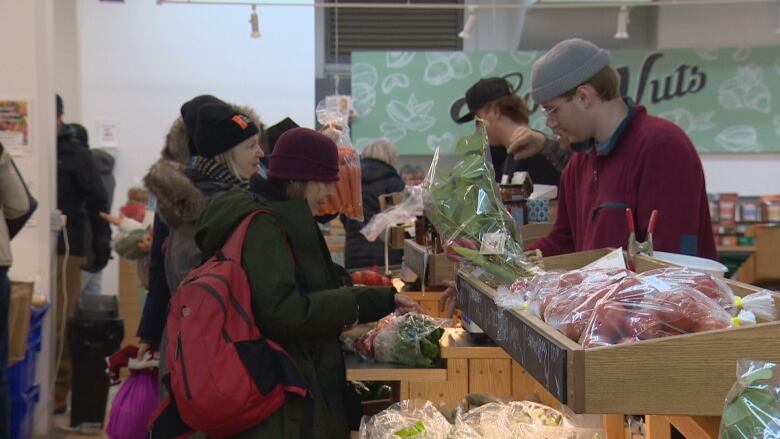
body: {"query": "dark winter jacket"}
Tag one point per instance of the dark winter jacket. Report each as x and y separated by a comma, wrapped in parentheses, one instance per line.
(80, 193)
(304, 314)
(104, 165)
(378, 178)
(181, 196)
(653, 165)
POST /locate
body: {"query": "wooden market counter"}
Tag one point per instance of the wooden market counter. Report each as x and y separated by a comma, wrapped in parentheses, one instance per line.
(470, 366)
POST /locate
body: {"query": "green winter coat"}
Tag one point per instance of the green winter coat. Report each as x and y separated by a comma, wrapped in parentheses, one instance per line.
(306, 323)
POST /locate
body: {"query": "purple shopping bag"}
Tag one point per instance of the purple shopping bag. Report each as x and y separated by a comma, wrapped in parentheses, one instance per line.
(133, 405)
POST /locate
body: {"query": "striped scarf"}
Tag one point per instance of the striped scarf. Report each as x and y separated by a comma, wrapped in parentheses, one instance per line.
(217, 171)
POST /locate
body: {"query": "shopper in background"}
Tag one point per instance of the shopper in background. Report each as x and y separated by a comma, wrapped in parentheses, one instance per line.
(14, 203)
(179, 147)
(80, 194)
(412, 175)
(91, 277)
(493, 100)
(624, 158)
(299, 304)
(378, 177)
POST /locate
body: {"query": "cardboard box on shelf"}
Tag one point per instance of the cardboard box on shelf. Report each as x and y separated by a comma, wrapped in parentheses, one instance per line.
(727, 209)
(770, 206)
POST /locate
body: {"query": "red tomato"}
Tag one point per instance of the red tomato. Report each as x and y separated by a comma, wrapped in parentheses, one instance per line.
(561, 315)
(570, 279)
(709, 325)
(358, 278)
(609, 320)
(643, 325)
(677, 310)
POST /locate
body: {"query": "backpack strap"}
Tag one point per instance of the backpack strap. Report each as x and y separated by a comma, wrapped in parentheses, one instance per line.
(235, 244)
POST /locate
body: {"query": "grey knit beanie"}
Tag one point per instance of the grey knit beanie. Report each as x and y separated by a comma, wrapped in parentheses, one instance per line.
(565, 66)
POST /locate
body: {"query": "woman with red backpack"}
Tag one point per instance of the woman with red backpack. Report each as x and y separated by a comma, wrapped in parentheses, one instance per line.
(296, 298)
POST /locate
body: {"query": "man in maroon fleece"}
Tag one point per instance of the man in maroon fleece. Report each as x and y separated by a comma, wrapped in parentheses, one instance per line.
(623, 158)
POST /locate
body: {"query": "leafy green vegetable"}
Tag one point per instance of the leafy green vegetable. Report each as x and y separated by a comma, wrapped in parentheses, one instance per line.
(417, 429)
(418, 341)
(465, 202)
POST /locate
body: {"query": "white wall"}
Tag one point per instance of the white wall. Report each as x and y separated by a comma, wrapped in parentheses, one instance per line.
(727, 26)
(26, 74)
(139, 62)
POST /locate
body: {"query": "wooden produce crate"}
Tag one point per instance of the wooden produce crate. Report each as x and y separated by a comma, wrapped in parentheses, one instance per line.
(681, 375)
(438, 270)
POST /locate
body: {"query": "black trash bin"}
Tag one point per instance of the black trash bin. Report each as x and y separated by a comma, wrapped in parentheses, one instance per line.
(94, 332)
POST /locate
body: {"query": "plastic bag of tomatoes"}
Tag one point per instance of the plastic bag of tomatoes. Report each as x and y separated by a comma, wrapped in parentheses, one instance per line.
(761, 303)
(640, 309)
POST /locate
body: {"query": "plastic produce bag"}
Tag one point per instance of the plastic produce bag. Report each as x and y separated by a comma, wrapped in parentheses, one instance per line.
(571, 309)
(518, 420)
(133, 405)
(404, 212)
(761, 303)
(411, 339)
(411, 419)
(752, 408)
(347, 198)
(464, 205)
(638, 310)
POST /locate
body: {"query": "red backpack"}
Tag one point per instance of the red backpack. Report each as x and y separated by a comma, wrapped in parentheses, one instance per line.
(224, 376)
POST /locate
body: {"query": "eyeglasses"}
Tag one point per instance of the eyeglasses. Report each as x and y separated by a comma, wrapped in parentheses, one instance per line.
(549, 112)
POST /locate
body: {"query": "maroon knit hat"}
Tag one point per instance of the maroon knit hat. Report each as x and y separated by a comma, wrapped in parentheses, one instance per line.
(302, 154)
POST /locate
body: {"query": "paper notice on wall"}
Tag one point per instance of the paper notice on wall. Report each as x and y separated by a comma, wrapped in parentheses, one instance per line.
(108, 133)
(15, 126)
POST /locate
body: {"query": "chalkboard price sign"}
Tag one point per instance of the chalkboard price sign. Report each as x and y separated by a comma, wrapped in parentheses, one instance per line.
(543, 358)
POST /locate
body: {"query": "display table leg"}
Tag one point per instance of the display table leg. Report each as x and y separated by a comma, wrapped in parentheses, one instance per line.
(614, 426)
(657, 427)
(699, 427)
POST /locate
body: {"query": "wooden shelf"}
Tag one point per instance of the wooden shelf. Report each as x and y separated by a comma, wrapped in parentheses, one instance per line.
(358, 370)
(456, 343)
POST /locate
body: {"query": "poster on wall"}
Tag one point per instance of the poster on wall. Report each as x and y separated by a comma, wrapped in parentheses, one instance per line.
(725, 99)
(15, 125)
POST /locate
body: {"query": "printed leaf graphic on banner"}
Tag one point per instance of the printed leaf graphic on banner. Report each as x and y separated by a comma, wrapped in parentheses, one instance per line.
(443, 67)
(364, 80)
(689, 123)
(488, 64)
(397, 60)
(392, 131)
(741, 54)
(746, 90)
(708, 53)
(394, 80)
(738, 138)
(446, 142)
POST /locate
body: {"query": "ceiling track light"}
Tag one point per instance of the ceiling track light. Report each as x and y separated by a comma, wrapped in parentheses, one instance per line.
(254, 20)
(622, 23)
(471, 24)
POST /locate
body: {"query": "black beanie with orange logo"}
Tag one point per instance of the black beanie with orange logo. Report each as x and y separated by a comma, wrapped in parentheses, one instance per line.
(220, 128)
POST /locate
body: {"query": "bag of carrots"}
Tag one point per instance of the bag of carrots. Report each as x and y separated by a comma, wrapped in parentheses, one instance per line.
(347, 197)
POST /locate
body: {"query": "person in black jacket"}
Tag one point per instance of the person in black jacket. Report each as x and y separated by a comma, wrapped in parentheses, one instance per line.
(182, 192)
(379, 177)
(494, 101)
(80, 193)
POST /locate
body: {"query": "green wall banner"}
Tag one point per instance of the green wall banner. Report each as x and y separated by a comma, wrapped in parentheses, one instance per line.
(723, 98)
